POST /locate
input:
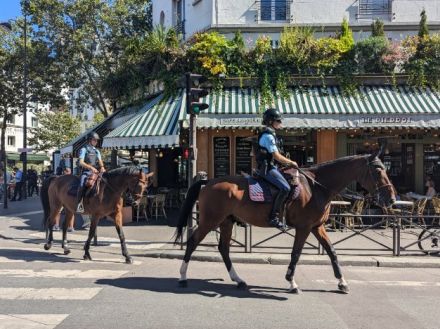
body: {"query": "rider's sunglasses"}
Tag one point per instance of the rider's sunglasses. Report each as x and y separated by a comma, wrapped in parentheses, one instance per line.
(279, 120)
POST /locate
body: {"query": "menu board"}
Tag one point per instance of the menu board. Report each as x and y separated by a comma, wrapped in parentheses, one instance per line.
(243, 159)
(222, 156)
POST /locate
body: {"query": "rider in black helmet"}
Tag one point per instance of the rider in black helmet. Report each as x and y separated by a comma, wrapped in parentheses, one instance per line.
(268, 153)
(90, 162)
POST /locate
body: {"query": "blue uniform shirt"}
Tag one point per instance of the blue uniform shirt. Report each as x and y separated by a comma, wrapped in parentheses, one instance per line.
(268, 142)
(83, 151)
(18, 176)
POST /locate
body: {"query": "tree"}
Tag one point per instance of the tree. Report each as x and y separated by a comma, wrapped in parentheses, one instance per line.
(44, 84)
(88, 38)
(55, 129)
(423, 25)
(377, 28)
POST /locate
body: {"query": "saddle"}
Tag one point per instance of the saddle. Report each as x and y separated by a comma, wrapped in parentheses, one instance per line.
(262, 191)
(91, 185)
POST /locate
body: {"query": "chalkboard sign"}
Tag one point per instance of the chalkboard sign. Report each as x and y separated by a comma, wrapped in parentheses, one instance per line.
(222, 157)
(243, 159)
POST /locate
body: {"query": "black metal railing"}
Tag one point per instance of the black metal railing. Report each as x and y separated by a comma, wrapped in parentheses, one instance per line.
(273, 10)
(179, 27)
(374, 8)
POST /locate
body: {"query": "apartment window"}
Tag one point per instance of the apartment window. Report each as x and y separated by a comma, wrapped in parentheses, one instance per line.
(11, 140)
(162, 18)
(11, 120)
(274, 10)
(374, 8)
(34, 122)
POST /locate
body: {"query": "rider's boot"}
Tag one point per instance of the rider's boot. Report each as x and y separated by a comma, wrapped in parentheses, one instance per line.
(79, 200)
(277, 209)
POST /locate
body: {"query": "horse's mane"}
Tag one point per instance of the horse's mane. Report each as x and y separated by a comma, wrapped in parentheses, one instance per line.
(317, 167)
(123, 171)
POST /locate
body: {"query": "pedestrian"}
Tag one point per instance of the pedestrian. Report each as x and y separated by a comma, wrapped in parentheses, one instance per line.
(32, 178)
(18, 185)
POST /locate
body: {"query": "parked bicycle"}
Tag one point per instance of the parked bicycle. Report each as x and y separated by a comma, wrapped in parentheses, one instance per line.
(428, 240)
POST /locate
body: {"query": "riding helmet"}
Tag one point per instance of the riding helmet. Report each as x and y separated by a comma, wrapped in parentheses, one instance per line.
(271, 115)
(92, 135)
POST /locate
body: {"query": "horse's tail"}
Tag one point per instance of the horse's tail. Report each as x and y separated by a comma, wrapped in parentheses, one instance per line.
(44, 197)
(187, 206)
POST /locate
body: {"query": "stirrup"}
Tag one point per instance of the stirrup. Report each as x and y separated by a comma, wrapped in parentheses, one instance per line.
(275, 222)
(80, 208)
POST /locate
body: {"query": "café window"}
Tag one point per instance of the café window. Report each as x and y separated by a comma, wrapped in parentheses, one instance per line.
(431, 163)
(11, 120)
(222, 156)
(11, 140)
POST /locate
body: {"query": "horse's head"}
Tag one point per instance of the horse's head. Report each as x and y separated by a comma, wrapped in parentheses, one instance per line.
(138, 184)
(376, 181)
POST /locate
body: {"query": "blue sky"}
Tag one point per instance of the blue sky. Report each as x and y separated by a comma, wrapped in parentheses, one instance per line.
(9, 9)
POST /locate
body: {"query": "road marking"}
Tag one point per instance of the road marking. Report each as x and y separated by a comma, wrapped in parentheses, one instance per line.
(68, 274)
(48, 293)
(147, 246)
(38, 260)
(386, 283)
(25, 213)
(31, 321)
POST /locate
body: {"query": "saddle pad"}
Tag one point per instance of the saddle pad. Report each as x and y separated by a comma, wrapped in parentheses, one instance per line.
(73, 189)
(259, 190)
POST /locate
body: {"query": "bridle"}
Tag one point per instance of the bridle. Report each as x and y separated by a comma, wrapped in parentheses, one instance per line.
(373, 164)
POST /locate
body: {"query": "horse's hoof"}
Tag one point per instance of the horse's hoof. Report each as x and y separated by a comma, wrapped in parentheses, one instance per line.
(295, 291)
(47, 246)
(343, 288)
(183, 283)
(66, 251)
(128, 260)
(87, 257)
(242, 285)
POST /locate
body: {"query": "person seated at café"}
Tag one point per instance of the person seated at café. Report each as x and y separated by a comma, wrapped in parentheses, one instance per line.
(430, 187)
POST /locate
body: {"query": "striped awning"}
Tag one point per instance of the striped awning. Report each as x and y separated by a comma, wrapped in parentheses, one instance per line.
(156, 125)
(326, 107)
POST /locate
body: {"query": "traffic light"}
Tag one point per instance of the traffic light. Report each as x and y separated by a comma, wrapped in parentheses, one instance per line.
(194, 93)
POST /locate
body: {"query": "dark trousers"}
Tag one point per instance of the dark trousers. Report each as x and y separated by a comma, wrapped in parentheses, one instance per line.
(18, 190)
(31, 188)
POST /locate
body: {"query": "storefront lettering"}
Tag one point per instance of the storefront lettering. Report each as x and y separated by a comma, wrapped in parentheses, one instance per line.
(379, 120)
(255, 121)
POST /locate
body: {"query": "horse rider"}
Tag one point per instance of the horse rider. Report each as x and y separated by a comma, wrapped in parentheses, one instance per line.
(90, 162)
(269, 152)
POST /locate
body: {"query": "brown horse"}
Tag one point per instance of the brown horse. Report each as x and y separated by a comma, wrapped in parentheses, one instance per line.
(107, 202)
(224, 199)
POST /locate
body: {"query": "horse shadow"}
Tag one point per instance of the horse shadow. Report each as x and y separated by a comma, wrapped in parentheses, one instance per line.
(32, 256)
(213, 288)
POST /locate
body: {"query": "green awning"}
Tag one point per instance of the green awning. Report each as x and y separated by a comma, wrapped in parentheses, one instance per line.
(31, 157)
(326, 107)
(156, 125)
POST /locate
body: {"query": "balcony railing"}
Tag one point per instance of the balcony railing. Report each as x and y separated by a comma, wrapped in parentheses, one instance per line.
(273, 10)
(374, 8)
(179, 27)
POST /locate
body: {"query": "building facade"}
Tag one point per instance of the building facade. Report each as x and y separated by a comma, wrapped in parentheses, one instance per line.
(270, 17)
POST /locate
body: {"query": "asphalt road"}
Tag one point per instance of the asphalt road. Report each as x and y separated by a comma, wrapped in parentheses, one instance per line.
(46, 289)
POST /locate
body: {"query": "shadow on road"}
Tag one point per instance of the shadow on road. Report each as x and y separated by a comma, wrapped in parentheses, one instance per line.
(32, 256)
(206, 288)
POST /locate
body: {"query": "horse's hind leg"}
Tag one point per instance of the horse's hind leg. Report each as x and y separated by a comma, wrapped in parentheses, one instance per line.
(224, 246)
(54, 213)
(191, 245)
(300, 239)
(68, 219)
(321, 234)
(93, 224)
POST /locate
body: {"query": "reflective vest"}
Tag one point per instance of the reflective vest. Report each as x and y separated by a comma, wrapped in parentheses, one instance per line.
(263, 157)
(91, 157)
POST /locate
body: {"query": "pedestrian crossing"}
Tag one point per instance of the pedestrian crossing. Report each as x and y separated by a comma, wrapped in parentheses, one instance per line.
(27, 290)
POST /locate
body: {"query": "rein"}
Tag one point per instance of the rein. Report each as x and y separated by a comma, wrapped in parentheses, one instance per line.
(106, 182)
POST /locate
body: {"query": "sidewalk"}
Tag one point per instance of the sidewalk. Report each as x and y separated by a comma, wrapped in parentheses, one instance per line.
(155, 240)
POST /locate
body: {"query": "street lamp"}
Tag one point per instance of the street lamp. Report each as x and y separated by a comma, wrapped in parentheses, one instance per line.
(6, 26)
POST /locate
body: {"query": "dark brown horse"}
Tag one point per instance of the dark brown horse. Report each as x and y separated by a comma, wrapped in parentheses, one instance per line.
(226, 198)
(107, 202)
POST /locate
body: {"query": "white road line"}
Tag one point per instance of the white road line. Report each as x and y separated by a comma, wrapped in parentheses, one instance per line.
(68, 274)
(48, 293)
(25, 213)
(386, 283)
(72, 260)
(31, 321)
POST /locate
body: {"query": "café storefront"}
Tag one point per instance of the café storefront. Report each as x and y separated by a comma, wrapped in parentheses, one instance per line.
(320, 125)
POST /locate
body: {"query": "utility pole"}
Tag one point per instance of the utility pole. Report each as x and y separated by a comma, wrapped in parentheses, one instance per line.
(193, 108)
(25, 81)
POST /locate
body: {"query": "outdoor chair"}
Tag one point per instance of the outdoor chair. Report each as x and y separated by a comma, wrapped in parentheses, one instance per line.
(419, 208)
(142, 207)
(158, 206)
(353, 216)
(435, 201)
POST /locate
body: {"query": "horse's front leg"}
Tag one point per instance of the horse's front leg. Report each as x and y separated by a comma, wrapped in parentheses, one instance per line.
(68, 221)
(118, 224)
(300, 239)
(53, 215)
(321, 234)
(93, 223)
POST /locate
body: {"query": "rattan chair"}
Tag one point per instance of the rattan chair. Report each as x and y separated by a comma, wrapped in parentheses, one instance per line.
(142, 207)
(435, 201)
(419, 208)
(352, 217)
(158, 206)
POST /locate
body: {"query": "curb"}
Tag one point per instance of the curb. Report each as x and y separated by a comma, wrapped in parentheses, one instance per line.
(368, 261)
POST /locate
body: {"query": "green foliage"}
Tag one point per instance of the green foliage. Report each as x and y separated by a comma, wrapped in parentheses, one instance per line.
(295, 48)
(368, 55)
(346, 36)
(55, 129)
(423, 25)
(377, 28)
(98, 118)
